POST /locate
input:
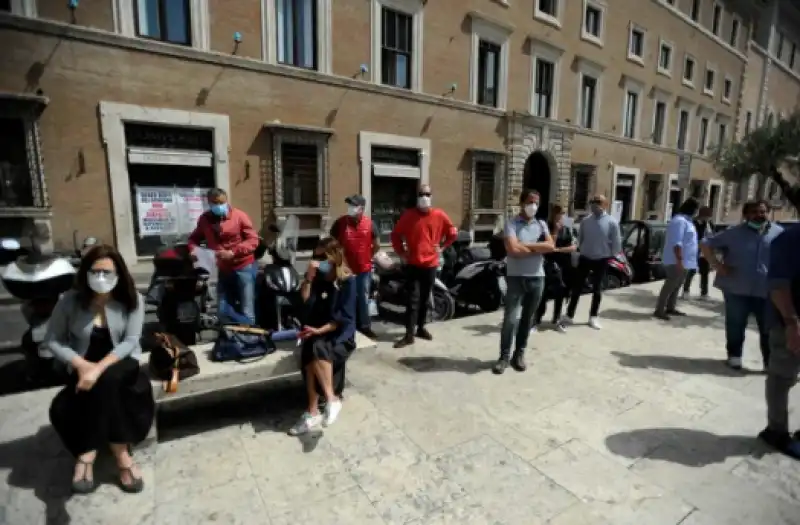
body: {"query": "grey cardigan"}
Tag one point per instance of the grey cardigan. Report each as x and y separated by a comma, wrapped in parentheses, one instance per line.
(70, 328)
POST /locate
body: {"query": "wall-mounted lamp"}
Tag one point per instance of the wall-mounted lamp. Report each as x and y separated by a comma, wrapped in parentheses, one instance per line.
(237, 37)
(453, 87)
(73, 4)
(363, 69)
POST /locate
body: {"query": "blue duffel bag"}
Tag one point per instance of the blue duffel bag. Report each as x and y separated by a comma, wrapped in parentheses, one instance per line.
(242, 343)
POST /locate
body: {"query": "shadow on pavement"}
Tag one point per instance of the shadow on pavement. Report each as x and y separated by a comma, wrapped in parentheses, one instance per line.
(39, 463)
(267, 409)
(683, 321)
(484, 329)
(684, 365)
(692, 448)
(445, 364)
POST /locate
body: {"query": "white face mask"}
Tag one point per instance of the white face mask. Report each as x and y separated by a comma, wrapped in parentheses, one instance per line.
(530, 209)
(424, 202)
(353, 211)
(100, 283)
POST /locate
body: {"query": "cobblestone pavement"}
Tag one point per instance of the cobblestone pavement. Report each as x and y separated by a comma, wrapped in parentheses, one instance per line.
(637, 424)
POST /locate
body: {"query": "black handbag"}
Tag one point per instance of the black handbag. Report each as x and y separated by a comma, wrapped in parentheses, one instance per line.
(242, 343)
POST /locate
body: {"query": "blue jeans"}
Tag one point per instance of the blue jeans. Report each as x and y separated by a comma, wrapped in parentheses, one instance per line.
(236, 295)
(363, 284)
(738, 309)
(522, 300)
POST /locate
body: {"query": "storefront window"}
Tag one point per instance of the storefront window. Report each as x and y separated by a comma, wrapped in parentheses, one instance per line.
(392, 195)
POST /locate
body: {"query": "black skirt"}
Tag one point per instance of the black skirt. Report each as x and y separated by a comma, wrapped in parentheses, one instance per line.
(322, 349)
(118, 409)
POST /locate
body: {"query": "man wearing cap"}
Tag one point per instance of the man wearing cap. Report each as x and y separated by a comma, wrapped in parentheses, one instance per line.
(358, 236)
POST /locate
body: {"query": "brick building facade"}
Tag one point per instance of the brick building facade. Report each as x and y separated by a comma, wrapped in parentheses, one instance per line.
(293, 104)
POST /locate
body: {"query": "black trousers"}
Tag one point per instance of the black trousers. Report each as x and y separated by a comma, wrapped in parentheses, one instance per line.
(557, 293)
(703, 268)
(118, 409)
(595, 270)
(419, 283)
(337, 354)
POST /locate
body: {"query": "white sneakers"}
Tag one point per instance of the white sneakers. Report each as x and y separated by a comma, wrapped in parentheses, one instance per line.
(735, 363)
(565, 321)
(309, 423)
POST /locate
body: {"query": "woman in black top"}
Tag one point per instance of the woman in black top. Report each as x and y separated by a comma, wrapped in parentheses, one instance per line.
(328, 334)
(558, 268)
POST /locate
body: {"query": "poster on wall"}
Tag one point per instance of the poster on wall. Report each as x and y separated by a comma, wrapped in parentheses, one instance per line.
(192, 204)
(157, 211)
(168, 211)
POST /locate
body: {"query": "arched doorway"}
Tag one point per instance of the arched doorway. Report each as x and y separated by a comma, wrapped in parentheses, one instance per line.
(537, 177)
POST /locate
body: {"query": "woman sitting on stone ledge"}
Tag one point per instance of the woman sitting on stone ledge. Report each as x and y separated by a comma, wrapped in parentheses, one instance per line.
(108, 401)
(328, 334)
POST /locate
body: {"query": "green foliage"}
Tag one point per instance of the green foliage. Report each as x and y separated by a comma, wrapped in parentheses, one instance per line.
(767, 151)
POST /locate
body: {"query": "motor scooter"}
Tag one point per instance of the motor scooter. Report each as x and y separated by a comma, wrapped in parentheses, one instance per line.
(472, 276)
(389, 287)
(38, 278)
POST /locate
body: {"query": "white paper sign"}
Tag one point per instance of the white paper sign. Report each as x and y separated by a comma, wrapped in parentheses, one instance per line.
(616, 210)
(157, 211)
(192, 203)
(207, 260)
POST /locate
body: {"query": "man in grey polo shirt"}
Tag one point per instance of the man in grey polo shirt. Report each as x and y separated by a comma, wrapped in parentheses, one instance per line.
(526, 240)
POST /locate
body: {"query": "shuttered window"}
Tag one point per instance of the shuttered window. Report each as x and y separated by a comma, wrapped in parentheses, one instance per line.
(300, 172)
(484, 184)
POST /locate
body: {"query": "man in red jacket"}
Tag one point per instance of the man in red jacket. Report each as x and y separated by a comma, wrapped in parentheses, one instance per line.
(229, 232)
(358, 235)
(417, 240)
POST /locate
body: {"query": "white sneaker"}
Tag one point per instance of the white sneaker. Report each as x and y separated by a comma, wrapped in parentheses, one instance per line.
(735, 363)
(534, 329)
(595, 323)
(332, 409)
(561, 328)
(306, 424)
(565, 320)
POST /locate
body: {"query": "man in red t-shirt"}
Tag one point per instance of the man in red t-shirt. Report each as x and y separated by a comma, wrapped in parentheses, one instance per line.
(417, 239)
(358, 236)
(229, 232)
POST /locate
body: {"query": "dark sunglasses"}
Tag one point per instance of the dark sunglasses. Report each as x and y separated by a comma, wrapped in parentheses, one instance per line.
(424, 194)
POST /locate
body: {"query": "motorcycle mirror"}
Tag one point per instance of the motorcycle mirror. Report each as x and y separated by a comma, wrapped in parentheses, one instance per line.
(10, 244)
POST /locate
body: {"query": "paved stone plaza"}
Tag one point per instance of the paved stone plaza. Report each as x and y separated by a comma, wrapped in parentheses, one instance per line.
(638, 424)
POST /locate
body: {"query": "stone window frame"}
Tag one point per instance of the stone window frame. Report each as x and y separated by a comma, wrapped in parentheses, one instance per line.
(307, 136)
(549, 53)
(28, 109)
(735, 30)
(727, 80)
(710, 68)
(269, 45)
(723, 120)
(662, 96)
(588, 68)
(124, 16)
(689, 82)
(547, 18)
(721, 22)
(636, 59)
(500, 161)
(665, 71)
(681, 105)
(24, 8)
(413, 8)
(483, 28)
(602, 7)
(632, 85)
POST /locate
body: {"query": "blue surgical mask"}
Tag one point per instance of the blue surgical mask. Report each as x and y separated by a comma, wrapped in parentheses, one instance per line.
(220, 210)
(755, 224)
(324, 267)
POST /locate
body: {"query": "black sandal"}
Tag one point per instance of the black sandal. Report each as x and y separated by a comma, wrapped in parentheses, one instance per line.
(135, 486)
(84, 485)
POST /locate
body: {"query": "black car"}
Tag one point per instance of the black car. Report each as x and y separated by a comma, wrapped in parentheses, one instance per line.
(643, 242)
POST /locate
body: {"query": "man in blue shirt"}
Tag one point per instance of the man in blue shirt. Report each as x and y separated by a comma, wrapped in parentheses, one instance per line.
(742, 276)
(679, 257)
(784, 340)
(527, 239)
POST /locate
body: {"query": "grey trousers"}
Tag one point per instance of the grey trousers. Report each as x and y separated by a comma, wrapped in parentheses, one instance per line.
(673, 282)
(784, 365)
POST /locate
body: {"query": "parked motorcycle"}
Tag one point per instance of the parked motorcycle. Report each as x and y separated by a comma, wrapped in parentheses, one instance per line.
(278, 301)
(472, 276)
(38, 279)
(389, 287)
(180, 293)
